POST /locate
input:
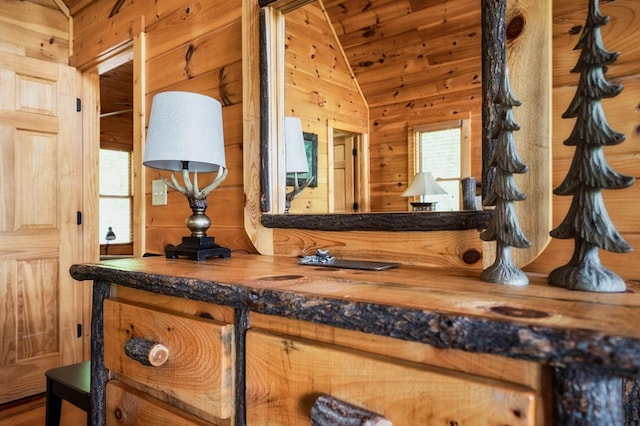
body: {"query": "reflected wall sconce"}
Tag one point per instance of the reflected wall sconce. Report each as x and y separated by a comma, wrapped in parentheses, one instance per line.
(423, 184)
(111, 236)
(295, 158)
(185, 135)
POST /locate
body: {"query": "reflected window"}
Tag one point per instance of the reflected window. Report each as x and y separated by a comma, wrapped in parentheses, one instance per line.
(441, 148)
(116, 198)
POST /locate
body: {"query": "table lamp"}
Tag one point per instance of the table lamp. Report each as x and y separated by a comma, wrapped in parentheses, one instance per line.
(295, 158)
(186, 134)
(423, 184)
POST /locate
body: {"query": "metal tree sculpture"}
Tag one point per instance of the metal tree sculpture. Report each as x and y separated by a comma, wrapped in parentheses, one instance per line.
(504, 227)
(587, 221)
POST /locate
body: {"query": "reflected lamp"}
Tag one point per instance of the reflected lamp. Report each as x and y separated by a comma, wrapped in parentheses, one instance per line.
(295, 158)
(423, 184)
(185, 135)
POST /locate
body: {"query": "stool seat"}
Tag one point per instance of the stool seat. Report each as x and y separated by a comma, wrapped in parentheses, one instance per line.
(71, 383)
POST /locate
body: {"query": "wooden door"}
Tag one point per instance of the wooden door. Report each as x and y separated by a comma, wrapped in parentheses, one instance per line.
(40, 194)
(343, 176)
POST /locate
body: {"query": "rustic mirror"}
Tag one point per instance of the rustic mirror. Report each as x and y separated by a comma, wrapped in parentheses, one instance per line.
(443, 27)
(308, 55)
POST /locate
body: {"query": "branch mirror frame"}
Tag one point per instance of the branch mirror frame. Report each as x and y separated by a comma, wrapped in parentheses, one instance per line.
(271, 35)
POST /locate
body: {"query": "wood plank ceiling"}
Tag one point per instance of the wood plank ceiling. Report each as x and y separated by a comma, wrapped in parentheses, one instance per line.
(399, 50)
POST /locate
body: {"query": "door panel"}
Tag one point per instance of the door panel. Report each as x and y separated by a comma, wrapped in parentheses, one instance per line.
(343, 196)
(40, 193)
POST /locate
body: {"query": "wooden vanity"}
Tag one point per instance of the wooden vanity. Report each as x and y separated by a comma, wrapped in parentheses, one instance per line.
(257, 340)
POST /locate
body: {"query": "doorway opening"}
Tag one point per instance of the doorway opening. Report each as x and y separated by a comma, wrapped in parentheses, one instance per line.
(348, 172)
(116, 153)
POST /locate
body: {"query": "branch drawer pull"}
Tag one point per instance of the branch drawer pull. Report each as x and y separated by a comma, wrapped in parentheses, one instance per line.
(331, 411)
(146, 352)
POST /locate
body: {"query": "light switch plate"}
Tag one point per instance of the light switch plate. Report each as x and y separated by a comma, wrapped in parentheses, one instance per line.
(158, 193)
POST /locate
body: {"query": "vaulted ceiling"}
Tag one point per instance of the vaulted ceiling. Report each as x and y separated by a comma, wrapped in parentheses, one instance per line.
(400, 50)
(390, 44)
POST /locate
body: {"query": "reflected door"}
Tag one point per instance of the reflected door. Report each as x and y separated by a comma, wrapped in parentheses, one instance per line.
(343, 174)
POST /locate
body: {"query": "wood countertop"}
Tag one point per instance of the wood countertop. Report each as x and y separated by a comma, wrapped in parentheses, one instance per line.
(446, 309)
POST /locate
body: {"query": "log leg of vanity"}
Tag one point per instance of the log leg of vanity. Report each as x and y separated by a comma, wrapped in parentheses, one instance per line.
(586, 396)
(592, 372)
(101, 290)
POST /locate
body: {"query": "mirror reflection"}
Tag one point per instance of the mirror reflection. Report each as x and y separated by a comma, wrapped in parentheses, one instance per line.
(390, 90)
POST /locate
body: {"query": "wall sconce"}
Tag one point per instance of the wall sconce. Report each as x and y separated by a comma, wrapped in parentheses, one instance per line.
(423, 184)
(186, 134)
(295, 158)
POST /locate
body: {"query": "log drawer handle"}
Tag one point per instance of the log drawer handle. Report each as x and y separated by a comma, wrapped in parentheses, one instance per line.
(328, 410)
(146, 352)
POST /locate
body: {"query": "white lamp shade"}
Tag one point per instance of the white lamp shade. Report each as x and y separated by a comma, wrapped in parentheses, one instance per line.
(423, 184)
(185, 127)
(295, 155)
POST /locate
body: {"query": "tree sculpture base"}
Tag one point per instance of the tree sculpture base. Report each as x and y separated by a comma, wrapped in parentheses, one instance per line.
(503, 271)
(504, 274)
(587, 276)
(197, 248)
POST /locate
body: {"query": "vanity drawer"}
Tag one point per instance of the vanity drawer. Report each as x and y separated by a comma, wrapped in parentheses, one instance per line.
(285, 377)
(128, 406)
(198, 375)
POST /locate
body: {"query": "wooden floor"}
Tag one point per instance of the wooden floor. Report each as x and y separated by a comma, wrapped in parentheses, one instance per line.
(30, 412)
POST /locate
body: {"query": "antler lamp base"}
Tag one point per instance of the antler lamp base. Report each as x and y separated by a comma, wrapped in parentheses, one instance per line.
(197, 248)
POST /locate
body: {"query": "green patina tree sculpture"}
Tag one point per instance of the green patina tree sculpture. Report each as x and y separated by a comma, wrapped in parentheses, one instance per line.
(504, 227)
(587, 221)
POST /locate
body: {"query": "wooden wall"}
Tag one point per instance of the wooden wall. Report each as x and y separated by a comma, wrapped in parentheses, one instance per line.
(199, 47)
(423, 67)
(622, 112)
(405, 81)
(37, 29)
(363, 33)
(319, 89)
(192, 47)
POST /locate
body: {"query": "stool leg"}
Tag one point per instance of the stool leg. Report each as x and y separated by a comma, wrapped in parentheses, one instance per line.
(53, 406)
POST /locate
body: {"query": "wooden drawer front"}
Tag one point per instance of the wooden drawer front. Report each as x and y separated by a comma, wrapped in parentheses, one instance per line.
(128, 406)
(198, 376)
(285, 376)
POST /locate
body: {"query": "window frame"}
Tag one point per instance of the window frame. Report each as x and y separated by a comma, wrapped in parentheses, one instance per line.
(414, 141)
(130, 196)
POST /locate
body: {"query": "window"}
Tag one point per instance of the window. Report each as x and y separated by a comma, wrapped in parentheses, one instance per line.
(115, 195)
(441, 149)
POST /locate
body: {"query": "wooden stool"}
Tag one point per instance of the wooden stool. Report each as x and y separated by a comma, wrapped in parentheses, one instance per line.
(72, 383)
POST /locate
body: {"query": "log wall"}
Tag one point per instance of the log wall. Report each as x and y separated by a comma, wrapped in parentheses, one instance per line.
(192, 47)
(622, 113)
(321, 91)
(35, 29)
(197, 46)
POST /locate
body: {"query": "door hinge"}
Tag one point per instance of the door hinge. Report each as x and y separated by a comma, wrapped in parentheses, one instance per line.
(354, 152)
(79, 218)
(355, 207)
(79, 330)
(78, 104)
